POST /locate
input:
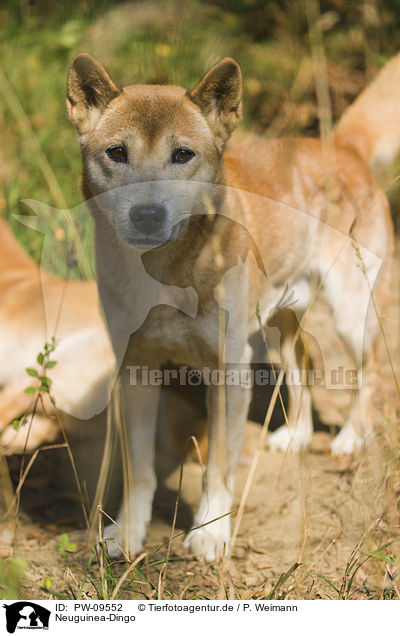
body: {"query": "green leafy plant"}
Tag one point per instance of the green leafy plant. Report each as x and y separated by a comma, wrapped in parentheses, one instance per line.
(44, 382)
(11, 575)
(65, 546)
(44, 360)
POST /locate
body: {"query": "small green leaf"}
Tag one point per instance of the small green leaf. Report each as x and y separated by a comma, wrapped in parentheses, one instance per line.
(45, 380)
(51, 364)
(30, 390)
(32, 372)
(71, 547)
(47, 583)
(15, 424)
(40, 358)
(43, 388)
(50, 346)
(65, 546)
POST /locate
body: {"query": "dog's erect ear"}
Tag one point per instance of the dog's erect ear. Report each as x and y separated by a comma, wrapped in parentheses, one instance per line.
(219, 95)
(89, 91)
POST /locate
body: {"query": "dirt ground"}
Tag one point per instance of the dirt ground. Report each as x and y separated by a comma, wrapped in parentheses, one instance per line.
(309, 509)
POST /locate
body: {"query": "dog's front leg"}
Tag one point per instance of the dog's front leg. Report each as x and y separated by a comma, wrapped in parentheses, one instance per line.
(227, 414)
(141, 406)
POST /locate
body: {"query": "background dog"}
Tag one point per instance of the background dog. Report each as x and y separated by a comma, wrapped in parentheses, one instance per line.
(34, 307)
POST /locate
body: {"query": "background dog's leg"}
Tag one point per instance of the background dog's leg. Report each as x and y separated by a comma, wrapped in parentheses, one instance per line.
(358, 425)
(141, 406)
(297, 433)
(356, 322)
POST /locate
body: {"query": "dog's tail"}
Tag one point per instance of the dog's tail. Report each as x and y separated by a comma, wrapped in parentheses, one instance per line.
(371, 125)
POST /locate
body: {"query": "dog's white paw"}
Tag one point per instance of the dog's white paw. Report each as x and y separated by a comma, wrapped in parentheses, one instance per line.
(122, 543)
(347, 441)
(285, 438)
(210, 542)
(116, 542)
(128, 534)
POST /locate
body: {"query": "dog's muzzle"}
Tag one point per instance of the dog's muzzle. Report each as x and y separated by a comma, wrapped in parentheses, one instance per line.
(148, 219)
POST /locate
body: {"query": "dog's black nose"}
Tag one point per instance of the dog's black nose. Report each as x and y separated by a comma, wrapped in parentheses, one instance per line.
(147, 219)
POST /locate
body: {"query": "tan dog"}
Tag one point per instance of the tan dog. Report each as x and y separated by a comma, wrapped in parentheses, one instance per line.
(34, 306)
(166, 194)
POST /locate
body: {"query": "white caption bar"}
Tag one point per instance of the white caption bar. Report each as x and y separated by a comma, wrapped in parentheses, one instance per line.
(170, 617)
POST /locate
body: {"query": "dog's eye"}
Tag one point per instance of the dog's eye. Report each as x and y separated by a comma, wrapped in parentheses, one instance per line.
(117, 153)
(182, 155)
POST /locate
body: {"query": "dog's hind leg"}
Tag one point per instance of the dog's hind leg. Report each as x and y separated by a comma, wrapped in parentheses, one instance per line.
(297, 432)
(141, 407)
(358, 425)
(356, 322)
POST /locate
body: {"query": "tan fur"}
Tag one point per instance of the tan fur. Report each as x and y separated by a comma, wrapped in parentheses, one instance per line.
(371, 125)
(282, 212)
(34, 306)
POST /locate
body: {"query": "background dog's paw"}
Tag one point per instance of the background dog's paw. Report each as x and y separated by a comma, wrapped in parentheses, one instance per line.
(31, 433)
(209, 544)
(285, 438)
(347, 441)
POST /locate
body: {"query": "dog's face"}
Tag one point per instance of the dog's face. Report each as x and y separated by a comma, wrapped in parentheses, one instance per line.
(150, 151)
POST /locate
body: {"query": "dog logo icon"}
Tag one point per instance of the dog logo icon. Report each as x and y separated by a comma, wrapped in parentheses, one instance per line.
(26, 615)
